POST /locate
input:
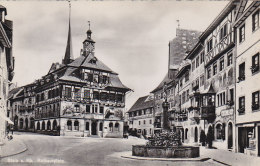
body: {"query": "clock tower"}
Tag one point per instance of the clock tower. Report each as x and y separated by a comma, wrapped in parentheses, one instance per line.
(88, 44)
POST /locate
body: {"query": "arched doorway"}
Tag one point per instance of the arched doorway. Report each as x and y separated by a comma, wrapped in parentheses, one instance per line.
(38, 126)
(94, 128)
(26, 124)
(196, 135)
(54, 125)
(230, 136)
(15, 122)
(31, 123)
(43, 125)
(21, 123)
(186, 133)
(48, 125)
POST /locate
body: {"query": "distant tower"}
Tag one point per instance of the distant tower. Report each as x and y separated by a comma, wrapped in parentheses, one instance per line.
(68, 58)
(88, 44)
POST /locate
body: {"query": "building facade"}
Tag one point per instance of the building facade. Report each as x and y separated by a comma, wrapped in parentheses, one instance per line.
(248, 78)
(141, 119)
(7, 67)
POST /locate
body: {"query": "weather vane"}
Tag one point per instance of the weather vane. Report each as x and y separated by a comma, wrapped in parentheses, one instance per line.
(88, 24)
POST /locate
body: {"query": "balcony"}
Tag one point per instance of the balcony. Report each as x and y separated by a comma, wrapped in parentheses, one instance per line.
(194, 115)
(157, 125)
(207, 112)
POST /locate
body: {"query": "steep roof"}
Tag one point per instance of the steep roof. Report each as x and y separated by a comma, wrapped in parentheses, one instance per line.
(166, 80)
(142, 103)
(87, 62)
(13, 92)
(116, 82)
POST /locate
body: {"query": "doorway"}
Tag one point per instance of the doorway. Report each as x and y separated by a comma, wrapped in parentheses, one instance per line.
(230, 136)
(94, 128)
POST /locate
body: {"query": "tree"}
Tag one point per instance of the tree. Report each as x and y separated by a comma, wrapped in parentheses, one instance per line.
(210, 137)
(203, 138)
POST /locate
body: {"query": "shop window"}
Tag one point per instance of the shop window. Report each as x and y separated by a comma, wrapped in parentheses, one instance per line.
(241, 75)
(255, 63)
(242, 33)
(255, 20)
(69, 125)
(255, 100)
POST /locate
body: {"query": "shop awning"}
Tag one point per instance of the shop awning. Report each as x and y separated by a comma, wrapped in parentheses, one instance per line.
(2, 116)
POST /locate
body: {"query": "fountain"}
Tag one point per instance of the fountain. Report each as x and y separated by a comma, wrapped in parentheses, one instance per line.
(166, 144)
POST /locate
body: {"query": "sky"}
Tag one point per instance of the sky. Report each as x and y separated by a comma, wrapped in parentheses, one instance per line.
(131, 36)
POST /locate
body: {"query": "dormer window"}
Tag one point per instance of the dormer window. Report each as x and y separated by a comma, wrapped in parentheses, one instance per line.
(93, 61)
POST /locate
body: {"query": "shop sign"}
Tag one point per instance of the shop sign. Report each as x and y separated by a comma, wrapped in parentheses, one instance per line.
(224, 113)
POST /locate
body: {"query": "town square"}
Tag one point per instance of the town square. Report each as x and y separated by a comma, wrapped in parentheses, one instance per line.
(129, 83)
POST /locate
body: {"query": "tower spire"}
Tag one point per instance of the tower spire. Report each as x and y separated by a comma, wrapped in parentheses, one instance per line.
(68, 53)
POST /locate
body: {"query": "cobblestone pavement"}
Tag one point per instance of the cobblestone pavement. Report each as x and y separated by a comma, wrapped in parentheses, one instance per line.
(75, 151)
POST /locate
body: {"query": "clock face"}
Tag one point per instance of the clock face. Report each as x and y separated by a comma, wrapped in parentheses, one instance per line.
(90, 47)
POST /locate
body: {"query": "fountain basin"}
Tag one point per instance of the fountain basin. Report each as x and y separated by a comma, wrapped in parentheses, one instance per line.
(166, 152)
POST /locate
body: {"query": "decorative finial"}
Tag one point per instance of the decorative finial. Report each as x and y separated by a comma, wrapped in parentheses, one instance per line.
(69, 9)
(89, 25)
(178, 21)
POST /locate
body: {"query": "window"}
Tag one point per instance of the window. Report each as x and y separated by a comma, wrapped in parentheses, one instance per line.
(101, 109)
(95, 78)
(77, 108)
(255, 100)
(119, 97)
(117, 127)
(86, 94)
(209, 45)
(111, 127)
(201, 57)
(193, 65)
(202, 80)
(96, 95)
(229, 59)
(223, 32)
(187, 98)
(255, 20)
(103, 96)
(87, 108)
(241, 105)
(150, 121)
(215, 68)
(219, 131)
(77, 94)
(90, 77)
(197, 61)
(76, 125)
(67, 92)
(139, 122)
(100, 126)
(242, 33)
(87, 125)
(186, 77)
(94, 108)
(231, 92)
(221, 64)
(209, 72)
(144, 122)
(241, 76)
(112, 96)
(255, 63)
(69, 125)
